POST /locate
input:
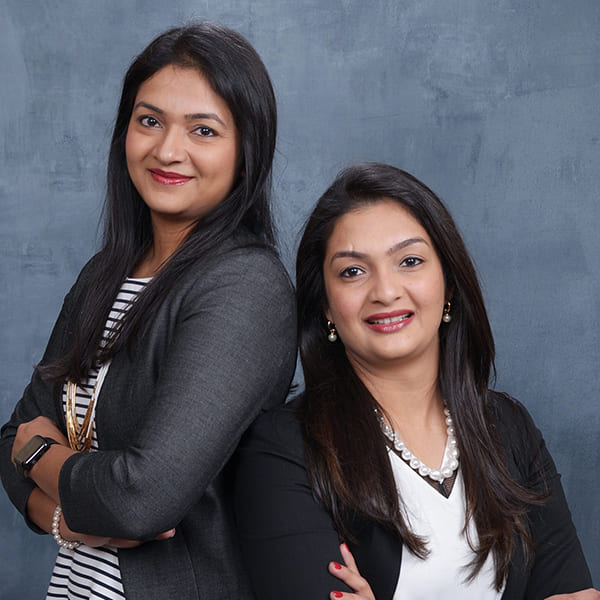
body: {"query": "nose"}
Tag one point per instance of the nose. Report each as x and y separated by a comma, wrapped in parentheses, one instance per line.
(170, 146)
(386, 286)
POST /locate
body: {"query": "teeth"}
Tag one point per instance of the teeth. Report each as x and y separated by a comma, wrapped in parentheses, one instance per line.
(391, 319)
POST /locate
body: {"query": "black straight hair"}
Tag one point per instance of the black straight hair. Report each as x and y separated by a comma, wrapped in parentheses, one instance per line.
(352, 475)
(237, 74)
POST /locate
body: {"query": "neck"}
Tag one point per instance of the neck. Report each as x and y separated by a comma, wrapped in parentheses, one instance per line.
(167, 236)
(411, 402)
(408, 393)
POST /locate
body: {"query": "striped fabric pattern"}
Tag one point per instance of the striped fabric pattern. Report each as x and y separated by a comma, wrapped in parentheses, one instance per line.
(84, 572)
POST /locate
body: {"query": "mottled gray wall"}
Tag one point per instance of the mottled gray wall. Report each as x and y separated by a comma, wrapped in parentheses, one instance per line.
(493, 103)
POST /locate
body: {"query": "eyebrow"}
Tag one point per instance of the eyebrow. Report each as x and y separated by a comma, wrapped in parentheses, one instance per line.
(189, 117)
(407, 242)
(392, 250)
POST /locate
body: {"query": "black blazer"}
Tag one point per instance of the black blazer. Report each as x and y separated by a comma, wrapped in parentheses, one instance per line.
(221, 347)
(287, 539)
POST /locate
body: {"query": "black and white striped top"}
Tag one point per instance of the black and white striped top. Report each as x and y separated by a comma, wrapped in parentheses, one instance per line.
(84, 572)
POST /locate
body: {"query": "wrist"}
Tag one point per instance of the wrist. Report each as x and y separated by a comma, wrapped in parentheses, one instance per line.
(62, 542)
(31, 453)
(46, 473)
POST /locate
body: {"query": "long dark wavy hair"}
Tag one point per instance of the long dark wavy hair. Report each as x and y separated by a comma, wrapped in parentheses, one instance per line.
(237, 74)
(350, 473)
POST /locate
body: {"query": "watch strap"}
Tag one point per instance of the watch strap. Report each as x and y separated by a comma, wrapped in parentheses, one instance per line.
(24, 463)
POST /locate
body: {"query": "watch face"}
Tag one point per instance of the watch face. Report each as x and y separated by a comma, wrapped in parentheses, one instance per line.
(30, 453)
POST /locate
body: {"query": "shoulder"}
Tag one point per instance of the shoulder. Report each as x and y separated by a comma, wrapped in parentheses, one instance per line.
(510, 416)
(244, 262)
(277, 430)
(88, 269)
(516, 431)
(77, 292)
(246, 287)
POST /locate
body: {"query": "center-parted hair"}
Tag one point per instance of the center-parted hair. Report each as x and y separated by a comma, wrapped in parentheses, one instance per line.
(346, 453)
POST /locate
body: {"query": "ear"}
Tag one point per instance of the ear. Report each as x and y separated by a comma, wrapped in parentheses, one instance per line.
(327, 313)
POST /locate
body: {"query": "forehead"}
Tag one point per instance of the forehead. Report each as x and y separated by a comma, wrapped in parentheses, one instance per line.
(181, 89)
(375, 227)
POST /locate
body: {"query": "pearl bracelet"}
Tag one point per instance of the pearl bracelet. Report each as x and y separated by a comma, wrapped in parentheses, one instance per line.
(56, 532)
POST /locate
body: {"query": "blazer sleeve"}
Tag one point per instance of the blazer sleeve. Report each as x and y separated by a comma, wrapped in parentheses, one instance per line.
(231, 352)
(558, 566)
(287, 539)
(38, 400)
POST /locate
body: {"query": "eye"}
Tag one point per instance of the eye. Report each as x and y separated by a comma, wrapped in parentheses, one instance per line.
(204, 131)
(350, 272)
(411, 261)
(149, 121)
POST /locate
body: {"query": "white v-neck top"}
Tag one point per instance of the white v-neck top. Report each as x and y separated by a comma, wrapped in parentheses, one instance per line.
(440, 520)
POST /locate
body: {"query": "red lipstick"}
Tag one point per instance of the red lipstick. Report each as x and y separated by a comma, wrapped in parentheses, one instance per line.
(389, 322)
(169, 177)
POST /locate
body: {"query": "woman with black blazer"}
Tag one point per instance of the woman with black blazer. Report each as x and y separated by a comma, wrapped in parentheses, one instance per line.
(174, 337)
(435, 485)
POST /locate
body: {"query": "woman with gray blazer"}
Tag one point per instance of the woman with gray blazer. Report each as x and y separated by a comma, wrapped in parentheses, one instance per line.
(174, 337)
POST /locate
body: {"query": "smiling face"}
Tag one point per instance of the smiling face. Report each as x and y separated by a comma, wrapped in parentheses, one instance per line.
(385, 287)
(182, 146)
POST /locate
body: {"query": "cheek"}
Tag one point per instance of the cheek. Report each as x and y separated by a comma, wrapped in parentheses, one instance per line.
(130, 147)
(433, 296)
(227, 164)
(136, 147)
(343, 307)
(133, 159)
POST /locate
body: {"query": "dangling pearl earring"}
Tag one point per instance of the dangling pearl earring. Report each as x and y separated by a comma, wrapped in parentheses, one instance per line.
(447, 317)
(332, 337)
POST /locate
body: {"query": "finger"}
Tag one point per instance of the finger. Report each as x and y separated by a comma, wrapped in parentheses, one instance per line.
(587, 594)
(92, 541)
(165, 535)
(125, 544)
(122, 543)
(335, 595)
(348, 558)
(351, 578)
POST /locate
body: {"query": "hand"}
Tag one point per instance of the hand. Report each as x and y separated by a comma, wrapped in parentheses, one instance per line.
(351, 577)
(39, 426)
(589, 594)
(95, 541)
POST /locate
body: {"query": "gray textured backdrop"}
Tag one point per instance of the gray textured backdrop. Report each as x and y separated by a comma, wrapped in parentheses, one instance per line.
(493, 103)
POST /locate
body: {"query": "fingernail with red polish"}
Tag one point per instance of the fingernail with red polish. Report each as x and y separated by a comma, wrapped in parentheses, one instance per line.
(338, 594)
(337, 565)
(346, 546)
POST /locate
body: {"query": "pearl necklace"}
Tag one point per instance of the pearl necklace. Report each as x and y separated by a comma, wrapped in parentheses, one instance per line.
(449, 462)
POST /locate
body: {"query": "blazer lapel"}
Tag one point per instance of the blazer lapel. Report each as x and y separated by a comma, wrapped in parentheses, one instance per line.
(378, 555)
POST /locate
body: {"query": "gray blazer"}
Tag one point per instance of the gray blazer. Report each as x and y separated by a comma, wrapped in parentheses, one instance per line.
(221, 347)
